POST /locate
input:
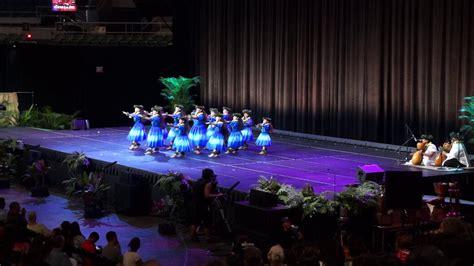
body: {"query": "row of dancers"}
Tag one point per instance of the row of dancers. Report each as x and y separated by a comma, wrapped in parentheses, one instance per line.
(217, 132)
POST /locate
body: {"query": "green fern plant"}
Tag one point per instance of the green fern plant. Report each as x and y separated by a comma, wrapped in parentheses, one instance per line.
(270, 185)
(45, 118)
(174, 185)
(178, 90)
(466, 132)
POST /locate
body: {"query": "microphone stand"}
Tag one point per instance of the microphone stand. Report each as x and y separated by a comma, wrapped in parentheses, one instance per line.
(411, 137)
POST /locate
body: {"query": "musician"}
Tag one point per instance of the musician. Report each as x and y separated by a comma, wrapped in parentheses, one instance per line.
(428, 151)
(457, 156)
(429, 155)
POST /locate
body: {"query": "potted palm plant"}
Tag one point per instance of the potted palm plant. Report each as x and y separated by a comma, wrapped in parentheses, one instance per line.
(178, 90)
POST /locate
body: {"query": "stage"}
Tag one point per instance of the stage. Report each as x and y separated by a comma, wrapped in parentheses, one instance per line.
(326, 165)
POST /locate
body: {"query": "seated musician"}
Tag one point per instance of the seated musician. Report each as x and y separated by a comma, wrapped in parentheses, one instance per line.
(457, 156)
(426, 149)
(429, 155)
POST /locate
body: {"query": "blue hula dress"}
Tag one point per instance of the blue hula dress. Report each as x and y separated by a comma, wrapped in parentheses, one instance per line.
(181, 142)
(172, 133)
(235, 138)
(210, 129)
(216, 142)
(247, 133)
(155, 135)
(164, 131)
(227, 119)
(264, 138)
(137, 133)
(197, 134)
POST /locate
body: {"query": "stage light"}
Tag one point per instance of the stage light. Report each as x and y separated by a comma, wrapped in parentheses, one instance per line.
(29, 36)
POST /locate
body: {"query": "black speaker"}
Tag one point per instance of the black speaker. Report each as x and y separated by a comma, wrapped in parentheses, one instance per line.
(403, 190)
(133, 197)
(262, 199)
(370, 172)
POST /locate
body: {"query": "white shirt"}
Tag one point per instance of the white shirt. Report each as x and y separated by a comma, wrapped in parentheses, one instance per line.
(458, 152)
(429, 160)
(131, 258)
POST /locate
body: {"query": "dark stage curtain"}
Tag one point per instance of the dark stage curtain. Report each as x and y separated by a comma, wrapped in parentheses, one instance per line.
(358, 69)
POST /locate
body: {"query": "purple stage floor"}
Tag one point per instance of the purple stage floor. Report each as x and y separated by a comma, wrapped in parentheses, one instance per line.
(325, 166)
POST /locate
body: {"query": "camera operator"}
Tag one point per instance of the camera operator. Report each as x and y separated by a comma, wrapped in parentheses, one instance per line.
(288, 234)
(204, 193)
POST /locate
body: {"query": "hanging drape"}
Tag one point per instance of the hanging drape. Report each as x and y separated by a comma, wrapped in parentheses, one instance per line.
(358, 69)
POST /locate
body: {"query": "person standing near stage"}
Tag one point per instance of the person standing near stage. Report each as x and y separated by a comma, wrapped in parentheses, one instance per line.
(429, 155)
(137, 133)
(204, 194)
(155, 135)
(178, 113)
(235, 139)
(247, 134)
(197, 134)
(181, 143)
(264, 140)
(457, 156)
(216, 142)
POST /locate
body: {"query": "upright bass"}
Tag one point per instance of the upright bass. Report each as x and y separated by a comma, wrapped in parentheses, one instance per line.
(417, 157)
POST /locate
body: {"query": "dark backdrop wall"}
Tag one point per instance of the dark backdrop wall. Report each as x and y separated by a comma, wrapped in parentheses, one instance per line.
(358, 69)
(65, 78)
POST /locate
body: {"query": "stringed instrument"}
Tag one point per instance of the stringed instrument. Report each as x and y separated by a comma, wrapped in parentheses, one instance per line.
(417, 157)
(442, 154)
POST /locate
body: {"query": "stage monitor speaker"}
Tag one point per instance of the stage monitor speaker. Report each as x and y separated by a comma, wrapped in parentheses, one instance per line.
(262, 199)
(370, 172)
(403, 190)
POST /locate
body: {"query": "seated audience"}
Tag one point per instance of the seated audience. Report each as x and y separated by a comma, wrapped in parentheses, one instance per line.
(131, 257)
(16, 215)
(112, 251)
(36, 227)
(57, 257)
(3, 212)
(90, 249)
(76, 235)
(276, 256)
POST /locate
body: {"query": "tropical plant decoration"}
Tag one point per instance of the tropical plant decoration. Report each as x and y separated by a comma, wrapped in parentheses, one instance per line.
(76, 161)
(270, 185)
(81, 179)
(467, 115)
(174, 185)
(314, 204)
(178, 90)
(8, 159)
(358, 199)
(45, 118)
(289, 196)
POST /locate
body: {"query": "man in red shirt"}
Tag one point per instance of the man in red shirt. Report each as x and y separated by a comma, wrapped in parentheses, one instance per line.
(90, 249)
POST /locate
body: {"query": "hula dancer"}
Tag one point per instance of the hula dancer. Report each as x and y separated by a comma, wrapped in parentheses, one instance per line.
(211, 119)
(235, 137)
(155, 135)
(226, 116)
(164, 128)
(181, 143)
(137, 133)
(216, 142)
(264, 138)
(247, 133)
(178, 113)
(197, 135)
